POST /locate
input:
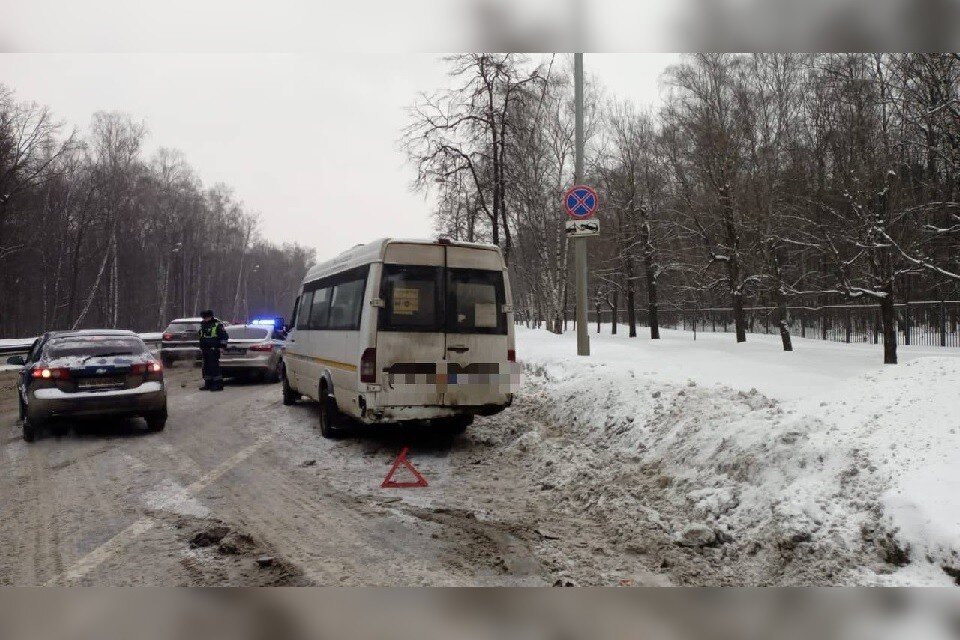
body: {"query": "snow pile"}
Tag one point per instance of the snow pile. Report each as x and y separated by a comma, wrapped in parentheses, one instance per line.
(844, 472)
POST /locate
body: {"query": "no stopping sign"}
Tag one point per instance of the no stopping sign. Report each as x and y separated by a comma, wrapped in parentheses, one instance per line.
(581, 202)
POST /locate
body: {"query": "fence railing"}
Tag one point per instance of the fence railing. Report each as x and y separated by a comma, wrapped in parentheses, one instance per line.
(20, 347)
(926, 323)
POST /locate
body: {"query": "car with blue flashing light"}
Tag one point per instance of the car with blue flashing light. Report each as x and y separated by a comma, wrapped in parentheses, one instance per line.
(254, 350)
(87, 373)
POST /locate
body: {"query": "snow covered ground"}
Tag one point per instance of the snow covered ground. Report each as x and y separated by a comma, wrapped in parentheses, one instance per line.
(817, 465)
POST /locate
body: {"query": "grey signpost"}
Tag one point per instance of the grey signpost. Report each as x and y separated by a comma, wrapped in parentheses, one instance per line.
(580, 243)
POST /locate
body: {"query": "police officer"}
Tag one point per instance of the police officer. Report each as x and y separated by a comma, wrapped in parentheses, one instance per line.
(213, 337)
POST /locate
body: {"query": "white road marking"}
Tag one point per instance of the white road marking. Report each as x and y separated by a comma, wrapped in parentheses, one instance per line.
(98, 556)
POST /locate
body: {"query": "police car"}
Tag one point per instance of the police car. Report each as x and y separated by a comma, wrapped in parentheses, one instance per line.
(254, 350)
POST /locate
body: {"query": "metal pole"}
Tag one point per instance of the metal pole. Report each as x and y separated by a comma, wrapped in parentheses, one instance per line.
(580, 244)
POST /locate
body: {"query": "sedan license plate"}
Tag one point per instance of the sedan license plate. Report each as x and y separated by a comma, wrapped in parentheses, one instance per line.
(99, 383)
(236, 350)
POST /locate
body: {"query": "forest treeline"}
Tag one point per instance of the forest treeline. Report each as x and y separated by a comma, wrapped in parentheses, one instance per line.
(764, 179)
(93, 233)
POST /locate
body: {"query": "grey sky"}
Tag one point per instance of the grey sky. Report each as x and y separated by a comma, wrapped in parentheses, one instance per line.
(308, 140)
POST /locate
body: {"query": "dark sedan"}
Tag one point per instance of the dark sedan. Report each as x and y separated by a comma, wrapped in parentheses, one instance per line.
(89, 373)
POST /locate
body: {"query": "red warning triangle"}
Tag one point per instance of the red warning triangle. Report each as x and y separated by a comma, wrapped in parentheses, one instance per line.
(390, 483)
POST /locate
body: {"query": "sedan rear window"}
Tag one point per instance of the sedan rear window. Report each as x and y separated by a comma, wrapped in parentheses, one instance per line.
(248, 333)
(94, 346)
(183, 327)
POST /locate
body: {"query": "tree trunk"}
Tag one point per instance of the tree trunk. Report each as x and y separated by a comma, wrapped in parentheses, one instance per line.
(615, 317)
(781, 300)
(783, 322)
(888, 318)
(649, 270)
(631, 311)
(739, 319)
(653, 309)
(733, 261)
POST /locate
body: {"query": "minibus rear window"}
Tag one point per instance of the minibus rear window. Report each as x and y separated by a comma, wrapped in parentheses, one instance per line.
(475, 298)
(411, 296)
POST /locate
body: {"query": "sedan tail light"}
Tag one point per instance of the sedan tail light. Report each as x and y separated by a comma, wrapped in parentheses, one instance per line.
(168, 336)
(261, 347)
(368, 366)
(146, 367)
(45, 373)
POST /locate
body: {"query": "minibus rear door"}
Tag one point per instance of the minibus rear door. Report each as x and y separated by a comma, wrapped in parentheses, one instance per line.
(476, 337)
(410, 340)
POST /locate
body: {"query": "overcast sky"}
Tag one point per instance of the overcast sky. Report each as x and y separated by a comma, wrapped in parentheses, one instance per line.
(310, 141)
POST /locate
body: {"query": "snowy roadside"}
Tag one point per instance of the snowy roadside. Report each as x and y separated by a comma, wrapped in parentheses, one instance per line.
(818, 466)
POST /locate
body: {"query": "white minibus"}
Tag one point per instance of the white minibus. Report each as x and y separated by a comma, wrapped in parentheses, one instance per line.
(402, 330)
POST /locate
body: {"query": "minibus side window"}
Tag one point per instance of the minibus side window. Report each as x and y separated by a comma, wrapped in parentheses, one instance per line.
(475, 301)
(320, 311)
(411, 296)
(303, 314)
(346, 304)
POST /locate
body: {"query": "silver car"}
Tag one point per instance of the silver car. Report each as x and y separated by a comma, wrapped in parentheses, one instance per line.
(253, 350)
(89, 373)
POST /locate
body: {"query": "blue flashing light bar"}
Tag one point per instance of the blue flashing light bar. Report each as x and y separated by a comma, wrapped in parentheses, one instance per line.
(269, 322)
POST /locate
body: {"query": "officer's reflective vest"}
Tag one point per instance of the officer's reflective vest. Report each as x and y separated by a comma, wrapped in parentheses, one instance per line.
(211, 332)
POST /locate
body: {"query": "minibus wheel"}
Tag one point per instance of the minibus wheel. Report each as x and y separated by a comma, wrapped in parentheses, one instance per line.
(328, 413)
(289, 395)
(459, 424)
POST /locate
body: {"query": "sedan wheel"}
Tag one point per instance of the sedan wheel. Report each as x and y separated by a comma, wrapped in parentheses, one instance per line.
(156, 420)
(29, 430)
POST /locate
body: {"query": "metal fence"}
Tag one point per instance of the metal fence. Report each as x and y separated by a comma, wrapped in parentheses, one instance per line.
(20, 347)
(924, 323)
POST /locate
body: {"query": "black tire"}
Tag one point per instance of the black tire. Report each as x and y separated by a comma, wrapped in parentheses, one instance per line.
(166, 361)
(329, 414)
(156, 420)
(21, 407)
(273, 375)
(289, 395)
(29, 430)
(59, 429)
(458, 424)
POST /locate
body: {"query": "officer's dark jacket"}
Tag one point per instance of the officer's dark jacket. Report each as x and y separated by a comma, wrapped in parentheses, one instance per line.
(212, 334)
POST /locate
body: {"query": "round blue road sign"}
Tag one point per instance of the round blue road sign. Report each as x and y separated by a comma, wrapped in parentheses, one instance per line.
(581, 202)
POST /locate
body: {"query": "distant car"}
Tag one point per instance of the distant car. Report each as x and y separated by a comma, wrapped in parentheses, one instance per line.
(89, 373)
(180, 341)
(254, 350)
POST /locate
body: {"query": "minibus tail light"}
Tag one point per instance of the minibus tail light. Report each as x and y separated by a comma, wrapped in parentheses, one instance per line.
(368, 366)
(511, 355)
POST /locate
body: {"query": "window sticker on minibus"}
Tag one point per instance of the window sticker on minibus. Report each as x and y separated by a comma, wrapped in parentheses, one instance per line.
(485, 314)
(406, 302)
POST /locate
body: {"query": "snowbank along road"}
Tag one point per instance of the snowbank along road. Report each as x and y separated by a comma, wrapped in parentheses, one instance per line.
(633, 467)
